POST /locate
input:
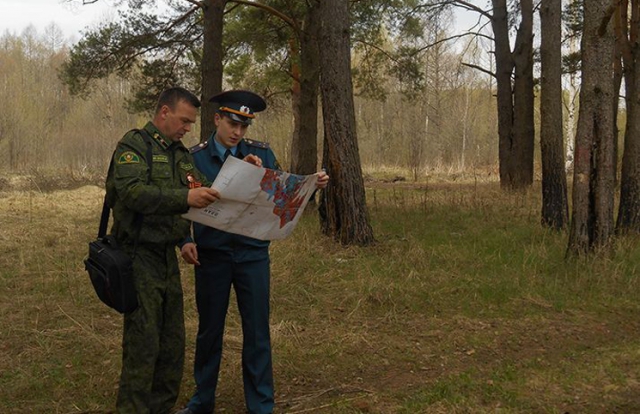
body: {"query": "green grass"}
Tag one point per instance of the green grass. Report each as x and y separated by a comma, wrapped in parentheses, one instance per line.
(464, 304)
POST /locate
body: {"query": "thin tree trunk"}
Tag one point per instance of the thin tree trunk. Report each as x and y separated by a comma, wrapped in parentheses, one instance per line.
(570, 123)
(465, 121)
(572, 95)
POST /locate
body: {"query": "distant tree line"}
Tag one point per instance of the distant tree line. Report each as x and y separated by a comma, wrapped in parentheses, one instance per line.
(45, 127)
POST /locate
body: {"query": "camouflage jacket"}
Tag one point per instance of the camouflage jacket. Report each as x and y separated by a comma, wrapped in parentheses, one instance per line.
(163, 200)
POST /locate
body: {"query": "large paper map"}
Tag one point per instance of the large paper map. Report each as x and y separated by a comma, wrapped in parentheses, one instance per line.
(257, 202)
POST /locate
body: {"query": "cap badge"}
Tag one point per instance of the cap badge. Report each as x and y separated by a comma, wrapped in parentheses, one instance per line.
(245, 109)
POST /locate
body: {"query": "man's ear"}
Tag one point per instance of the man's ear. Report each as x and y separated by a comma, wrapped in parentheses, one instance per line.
(164, 111)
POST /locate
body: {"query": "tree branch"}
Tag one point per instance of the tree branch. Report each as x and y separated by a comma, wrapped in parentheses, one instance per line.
(181, 18)
(269, 9)
(468, 6)
(376, 47)
(481, 69)
(200, 4)
(446, 39)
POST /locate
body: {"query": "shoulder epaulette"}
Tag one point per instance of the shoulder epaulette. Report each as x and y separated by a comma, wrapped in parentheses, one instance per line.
(254, 143)
(199, 147)
(132, 132)
(144, 133)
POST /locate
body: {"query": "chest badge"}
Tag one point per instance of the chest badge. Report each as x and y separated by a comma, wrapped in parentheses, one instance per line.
(192, 182)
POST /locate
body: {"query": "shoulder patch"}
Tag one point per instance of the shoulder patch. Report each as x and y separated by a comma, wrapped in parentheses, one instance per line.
(254, 143)
(199, 147)
(129, 157)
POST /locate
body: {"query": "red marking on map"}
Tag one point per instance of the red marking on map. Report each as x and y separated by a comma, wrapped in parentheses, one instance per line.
(285, 193)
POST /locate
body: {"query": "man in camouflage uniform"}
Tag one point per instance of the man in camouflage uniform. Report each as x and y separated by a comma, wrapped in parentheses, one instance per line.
(149, 211)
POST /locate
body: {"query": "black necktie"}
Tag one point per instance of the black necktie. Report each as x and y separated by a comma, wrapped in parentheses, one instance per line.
(226, 154)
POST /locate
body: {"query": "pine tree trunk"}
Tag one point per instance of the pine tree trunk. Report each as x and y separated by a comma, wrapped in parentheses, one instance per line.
(523, 85)
(211, 66)
(343, 205)
(304, 143)
(555, 210)
(629, 209)
(515, 103)
(504, 69)
(592, 219)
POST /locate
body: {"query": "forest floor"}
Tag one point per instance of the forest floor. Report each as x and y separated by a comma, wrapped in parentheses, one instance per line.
(464, 304)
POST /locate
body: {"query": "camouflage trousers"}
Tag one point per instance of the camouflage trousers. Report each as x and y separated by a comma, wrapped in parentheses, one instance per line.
(154, 336)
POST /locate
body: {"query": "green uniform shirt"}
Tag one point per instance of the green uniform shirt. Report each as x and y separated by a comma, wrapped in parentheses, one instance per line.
(163, 200)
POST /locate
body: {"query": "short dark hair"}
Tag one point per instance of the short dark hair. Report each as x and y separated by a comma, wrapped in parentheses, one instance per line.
(172, 96)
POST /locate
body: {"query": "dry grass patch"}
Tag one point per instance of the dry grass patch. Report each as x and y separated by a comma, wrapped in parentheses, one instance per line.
(464, 304)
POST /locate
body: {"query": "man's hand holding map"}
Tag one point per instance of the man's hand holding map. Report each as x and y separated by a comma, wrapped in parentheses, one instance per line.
(258, 202)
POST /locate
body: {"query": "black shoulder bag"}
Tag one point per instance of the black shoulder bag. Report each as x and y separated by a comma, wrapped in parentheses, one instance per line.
(110, 268)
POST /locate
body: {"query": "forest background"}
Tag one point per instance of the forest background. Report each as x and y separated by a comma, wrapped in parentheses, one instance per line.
(45, 129)
(464, 302)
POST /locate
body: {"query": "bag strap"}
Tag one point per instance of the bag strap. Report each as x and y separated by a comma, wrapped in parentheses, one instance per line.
(104, 217)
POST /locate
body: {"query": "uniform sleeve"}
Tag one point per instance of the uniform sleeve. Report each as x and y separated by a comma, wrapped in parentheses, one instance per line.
(184, 241)
(130, 176)
(203, 178)
(270, 160)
